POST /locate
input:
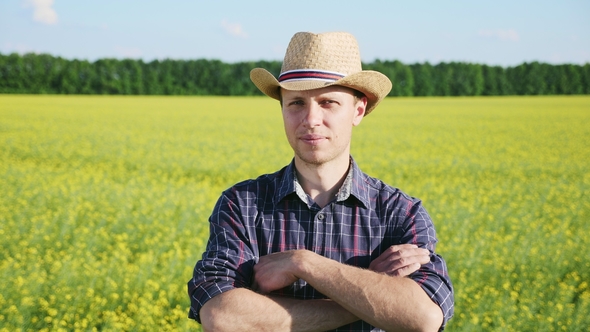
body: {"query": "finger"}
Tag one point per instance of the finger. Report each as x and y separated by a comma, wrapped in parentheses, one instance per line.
(398, 256)
(424, 258)
(389, 266)
(406, 270)
(401, 247)
(421, 257)
(405, 250)
(405, 254)
(394, 252)
(393, 264)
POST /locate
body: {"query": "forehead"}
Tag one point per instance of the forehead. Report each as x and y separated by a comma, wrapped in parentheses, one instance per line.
(317, 92)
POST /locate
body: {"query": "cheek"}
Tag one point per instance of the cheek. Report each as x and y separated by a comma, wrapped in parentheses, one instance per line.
(290, 126)
(290, 121)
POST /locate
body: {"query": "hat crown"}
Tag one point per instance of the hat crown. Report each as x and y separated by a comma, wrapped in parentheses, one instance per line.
(332, 51)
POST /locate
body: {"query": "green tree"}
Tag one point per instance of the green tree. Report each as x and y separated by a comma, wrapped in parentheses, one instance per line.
(43, 72)
(400, 75)
(166, 77)
(504, 85)
(423, 79)
(215, 77)
(574, 79)
(490, 77)
(131, 76)
(530, 79)
(200, 72)
(151, 82)
(442, 79)
(516, 75)
(86, 75)
(3, 72)
(190, 77)
(241, 85)
(585, 78)
(466, 79)
(13, 74)
(69, 78)
(107, 79)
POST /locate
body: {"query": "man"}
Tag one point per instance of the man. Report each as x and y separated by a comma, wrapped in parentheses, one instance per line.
(319, 245)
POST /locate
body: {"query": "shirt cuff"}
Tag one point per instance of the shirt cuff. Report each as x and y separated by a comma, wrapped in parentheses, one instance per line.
(205, 292)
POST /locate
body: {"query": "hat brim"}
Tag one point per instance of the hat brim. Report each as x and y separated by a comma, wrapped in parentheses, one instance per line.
(374, 85)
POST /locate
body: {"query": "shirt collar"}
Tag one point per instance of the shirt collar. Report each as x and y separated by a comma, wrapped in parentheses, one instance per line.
(354, 185)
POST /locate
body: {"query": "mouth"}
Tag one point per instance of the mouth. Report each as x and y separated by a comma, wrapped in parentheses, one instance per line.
(312, 139)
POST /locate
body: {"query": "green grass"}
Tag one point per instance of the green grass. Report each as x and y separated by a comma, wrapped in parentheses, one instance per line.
(104, 201)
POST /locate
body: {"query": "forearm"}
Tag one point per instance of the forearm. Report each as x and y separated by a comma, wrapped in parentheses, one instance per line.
(244, 310)
(390, 303)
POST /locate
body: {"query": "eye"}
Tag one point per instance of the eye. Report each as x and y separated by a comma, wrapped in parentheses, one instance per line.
(295, 102)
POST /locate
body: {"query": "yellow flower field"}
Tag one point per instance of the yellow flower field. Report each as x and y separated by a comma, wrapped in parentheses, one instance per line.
(104, 201)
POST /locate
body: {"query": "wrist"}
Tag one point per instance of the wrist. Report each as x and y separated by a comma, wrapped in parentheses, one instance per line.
(306, 262)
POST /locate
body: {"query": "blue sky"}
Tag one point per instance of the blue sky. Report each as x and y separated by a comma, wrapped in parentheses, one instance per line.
(499, 32)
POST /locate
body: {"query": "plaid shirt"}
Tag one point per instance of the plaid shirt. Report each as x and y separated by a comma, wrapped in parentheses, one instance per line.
(272, 213)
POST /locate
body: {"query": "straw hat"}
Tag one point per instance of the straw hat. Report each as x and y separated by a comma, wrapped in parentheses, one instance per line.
(315, 61)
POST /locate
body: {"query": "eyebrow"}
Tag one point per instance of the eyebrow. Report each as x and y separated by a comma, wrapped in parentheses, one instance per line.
(297, 97)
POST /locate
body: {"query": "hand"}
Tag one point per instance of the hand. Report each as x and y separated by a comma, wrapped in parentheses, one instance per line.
(274, 271)
(400, 260)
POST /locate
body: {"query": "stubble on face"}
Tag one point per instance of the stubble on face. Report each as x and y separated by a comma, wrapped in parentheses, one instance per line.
(319, 122)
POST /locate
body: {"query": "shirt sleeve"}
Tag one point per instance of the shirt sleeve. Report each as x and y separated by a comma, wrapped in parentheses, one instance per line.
(228, 260)
(432, 277)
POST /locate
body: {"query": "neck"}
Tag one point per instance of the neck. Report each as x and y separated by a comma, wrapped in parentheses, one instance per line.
(322, 182)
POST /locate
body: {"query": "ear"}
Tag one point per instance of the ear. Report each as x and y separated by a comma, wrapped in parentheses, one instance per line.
(359, 110)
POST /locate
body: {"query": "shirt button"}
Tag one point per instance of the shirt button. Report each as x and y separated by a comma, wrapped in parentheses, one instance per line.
(320, 216)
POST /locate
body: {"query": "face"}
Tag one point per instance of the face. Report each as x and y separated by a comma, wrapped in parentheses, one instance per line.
(319, 122)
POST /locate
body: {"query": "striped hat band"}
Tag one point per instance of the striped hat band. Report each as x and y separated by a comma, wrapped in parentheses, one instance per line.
(310, 74)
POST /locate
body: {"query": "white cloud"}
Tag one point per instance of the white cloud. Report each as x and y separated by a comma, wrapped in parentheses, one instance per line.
(43, 11)
(234, 29)
(501, 34)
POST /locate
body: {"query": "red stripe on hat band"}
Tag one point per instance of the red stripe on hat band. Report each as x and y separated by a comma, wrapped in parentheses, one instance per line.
(309, 74)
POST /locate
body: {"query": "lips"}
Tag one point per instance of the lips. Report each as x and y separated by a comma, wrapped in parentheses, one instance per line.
(312, 139)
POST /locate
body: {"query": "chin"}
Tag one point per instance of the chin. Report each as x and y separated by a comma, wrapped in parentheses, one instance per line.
(314, 159)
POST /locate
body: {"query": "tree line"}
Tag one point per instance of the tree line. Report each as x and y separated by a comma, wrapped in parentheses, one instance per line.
(47, 74)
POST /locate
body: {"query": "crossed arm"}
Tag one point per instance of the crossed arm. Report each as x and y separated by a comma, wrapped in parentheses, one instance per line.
(379, 296)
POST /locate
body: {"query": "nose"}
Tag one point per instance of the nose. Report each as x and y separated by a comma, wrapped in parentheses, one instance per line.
(313, 116)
